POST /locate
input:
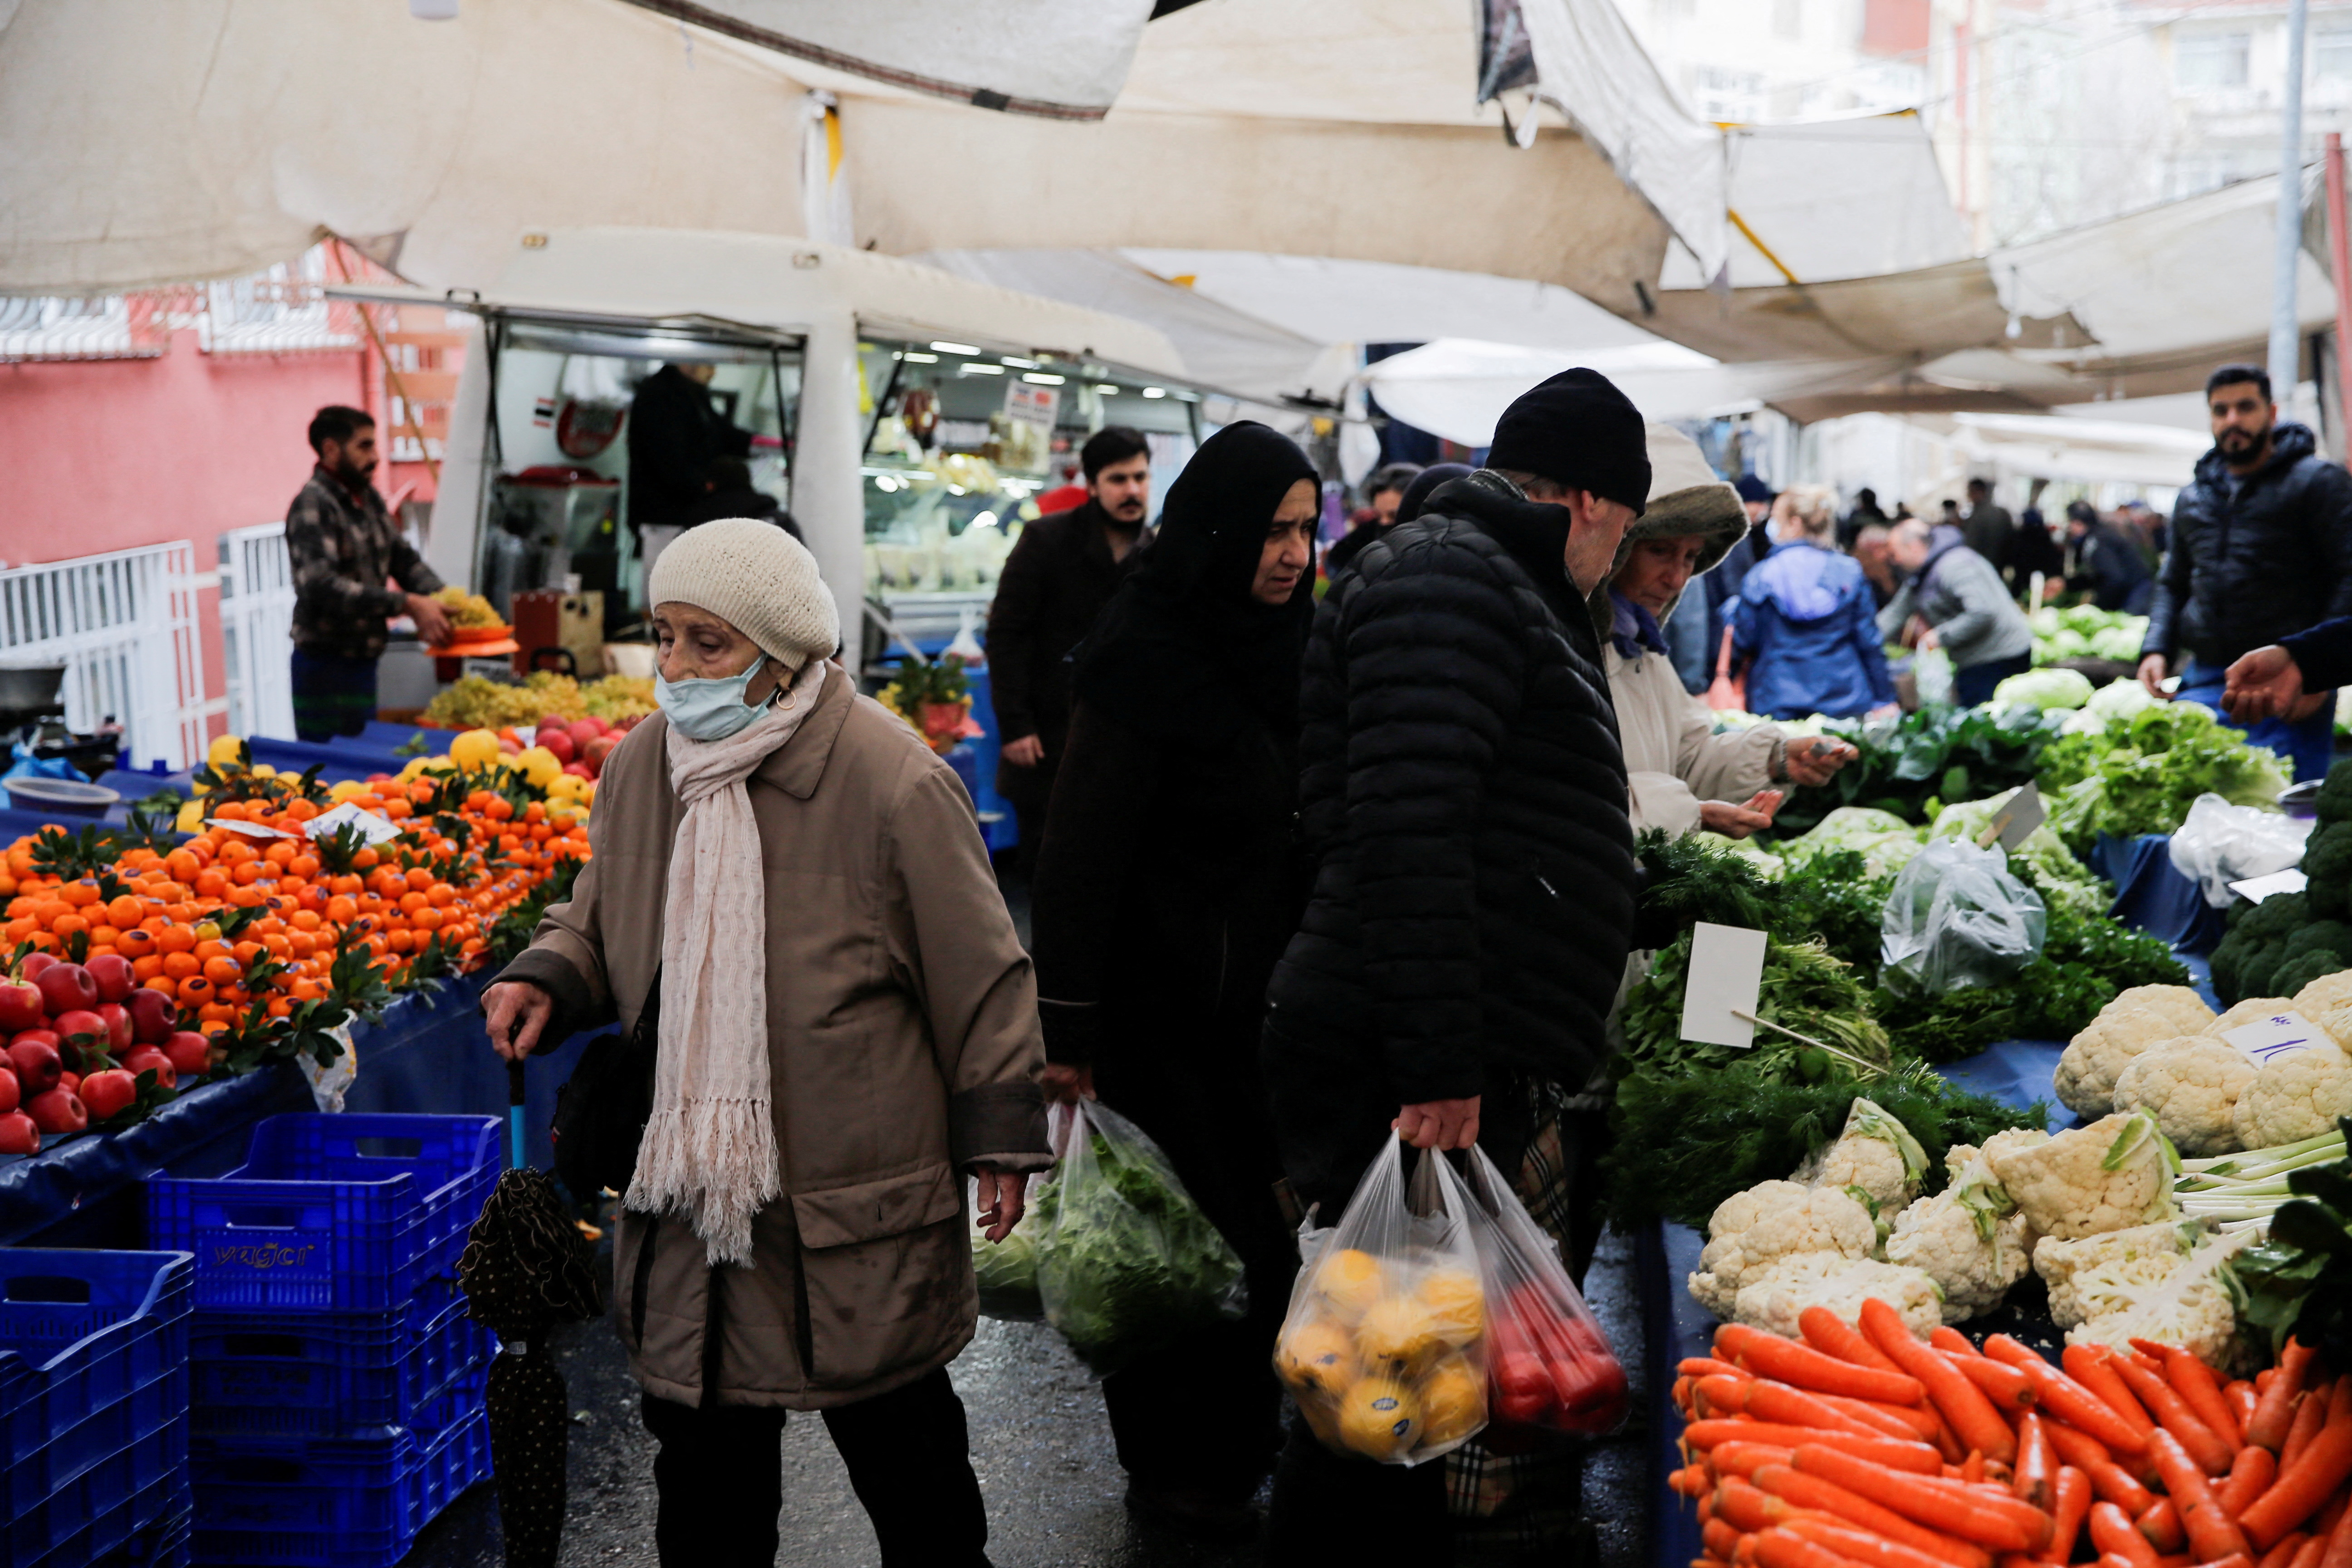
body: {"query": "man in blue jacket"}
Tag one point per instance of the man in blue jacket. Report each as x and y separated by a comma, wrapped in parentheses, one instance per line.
(2261, 548)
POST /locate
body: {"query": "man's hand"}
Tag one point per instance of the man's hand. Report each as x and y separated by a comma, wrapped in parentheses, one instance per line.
(432, 620)
(1003, 1195)
(518, 1013)
(1928, 641)
(1913, 630)
(1025, 753)
(1439, 1123)
(2152, 671)
(1066, 1085)
(1813, 759)
(2261, 683)
(1738, 821)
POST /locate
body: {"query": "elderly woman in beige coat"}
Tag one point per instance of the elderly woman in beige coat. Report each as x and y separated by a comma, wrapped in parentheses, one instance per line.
(1681, 775)
(847, 1026)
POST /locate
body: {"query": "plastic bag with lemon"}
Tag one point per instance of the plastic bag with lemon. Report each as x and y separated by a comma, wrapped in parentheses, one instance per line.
(1384, 1347)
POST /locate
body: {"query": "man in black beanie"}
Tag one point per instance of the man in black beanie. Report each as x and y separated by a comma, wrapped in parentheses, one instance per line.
(1463, 795)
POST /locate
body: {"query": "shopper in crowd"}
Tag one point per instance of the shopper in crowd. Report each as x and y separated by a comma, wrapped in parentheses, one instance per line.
(1954, 600)
(673, 434)
(1989, 529)
(346, 553)
(1465, 796)
(1415, 499)
(729, 492)
(1384, 496)
(1803, 628)
(1866, 514)
(789, 882)
(1870, 548)
(2109, 569)
(1719, 587)
(2261, 548)
(1951, 514)
(1060, 574)
(1681, 775)
(1170, 882)
(2145, 527)
(2034, 553)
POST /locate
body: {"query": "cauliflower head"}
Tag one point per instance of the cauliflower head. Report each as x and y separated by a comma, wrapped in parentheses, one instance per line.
(2111, 1176)
(2189, 1307)
(1774, 1299)
(2294, 1096)
(1875, 1161)
(2179, 1003)
(2087, 1276)
(2253, 1010)
(2325, 995)
(1750, 1231)
(2192, 1085)
(1970, 1238)
(2085, 1079)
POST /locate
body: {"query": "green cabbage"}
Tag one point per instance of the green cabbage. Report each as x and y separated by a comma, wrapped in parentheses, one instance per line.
(2044, 688)
(1884, 840)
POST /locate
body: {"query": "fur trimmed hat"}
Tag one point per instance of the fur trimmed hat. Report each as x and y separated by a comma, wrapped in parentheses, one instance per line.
(1686, 498)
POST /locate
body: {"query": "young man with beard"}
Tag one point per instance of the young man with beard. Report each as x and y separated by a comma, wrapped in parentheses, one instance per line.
(2261, 548)
(1463, 795)
(1055, 582)
(344, 548)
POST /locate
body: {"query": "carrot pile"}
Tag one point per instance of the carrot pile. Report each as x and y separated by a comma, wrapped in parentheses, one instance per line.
(1862, 1448)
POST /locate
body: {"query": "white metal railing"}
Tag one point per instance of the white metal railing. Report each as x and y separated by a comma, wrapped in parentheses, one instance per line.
(124, 625)
(256, 611)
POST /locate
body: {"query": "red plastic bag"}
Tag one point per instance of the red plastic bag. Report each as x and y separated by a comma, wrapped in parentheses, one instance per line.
(1550, 1366)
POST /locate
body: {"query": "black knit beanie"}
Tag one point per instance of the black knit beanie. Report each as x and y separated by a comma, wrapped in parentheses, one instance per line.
(1577, 429)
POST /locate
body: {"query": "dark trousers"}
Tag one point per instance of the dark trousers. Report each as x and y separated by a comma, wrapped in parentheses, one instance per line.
(720, 1474)
(331, 696)
(1974, 683)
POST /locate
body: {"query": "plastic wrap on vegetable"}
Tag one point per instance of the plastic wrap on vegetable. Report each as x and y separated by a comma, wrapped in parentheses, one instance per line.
(1957, 916)
(1007, 1269)
(1126, 1259)
(1550, 1366)
(1384, 1346)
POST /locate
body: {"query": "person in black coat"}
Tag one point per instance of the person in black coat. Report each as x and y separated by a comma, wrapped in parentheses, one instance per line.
(674, 433)
(1168, 882)
(2107, 566)
(2032, 549)
(1465, 796)
(1061, 573)
(730, 493)
(2261, 548)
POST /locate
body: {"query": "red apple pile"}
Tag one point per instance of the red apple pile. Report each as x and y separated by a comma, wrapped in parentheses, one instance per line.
(76, 1039)
(580, 744)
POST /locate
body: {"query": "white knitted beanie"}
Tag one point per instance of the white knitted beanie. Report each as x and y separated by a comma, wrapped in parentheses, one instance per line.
(757, 579)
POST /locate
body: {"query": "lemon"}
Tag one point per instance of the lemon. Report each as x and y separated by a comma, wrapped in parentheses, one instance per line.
(223, 751)
(1380, 1418)
(1398, 1333)
(414, 766)
(1350, 1281)
(474, 749)
(191, 818)
(1454, 1303)
(1317, 1354)
(542, 767)
(345, 790)
(264, 771)
(1453, 1402)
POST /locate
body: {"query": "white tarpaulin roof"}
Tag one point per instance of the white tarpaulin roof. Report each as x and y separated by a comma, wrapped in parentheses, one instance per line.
(2057, 447)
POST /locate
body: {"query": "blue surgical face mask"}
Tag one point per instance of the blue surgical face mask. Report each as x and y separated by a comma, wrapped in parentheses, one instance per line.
(708, 710)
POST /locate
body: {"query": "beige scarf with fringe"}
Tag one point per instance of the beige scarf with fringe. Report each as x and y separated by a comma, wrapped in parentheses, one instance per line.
(709, 1150)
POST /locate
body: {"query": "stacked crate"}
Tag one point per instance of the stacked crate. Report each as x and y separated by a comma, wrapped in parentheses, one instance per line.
(337, 1381)
(93, 1408)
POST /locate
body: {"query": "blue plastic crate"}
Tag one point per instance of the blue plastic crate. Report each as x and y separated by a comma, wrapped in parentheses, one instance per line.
(141, 1529)
(332, 1214)
(261, 1376)
(161, 1545)
(93, 1395)
(344, 1504)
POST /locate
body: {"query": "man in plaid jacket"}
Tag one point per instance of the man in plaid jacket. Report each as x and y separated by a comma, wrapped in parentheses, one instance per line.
(345, 550)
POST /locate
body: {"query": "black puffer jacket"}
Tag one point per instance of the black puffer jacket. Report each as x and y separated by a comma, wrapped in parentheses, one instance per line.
(2249, 569)
(1464, 794)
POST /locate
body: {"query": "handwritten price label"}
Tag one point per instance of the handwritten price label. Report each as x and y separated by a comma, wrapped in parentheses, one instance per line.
(2280, 1035)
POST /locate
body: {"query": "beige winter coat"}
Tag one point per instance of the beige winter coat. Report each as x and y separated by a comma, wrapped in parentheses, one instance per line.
(904, 1046)
(1673, 759)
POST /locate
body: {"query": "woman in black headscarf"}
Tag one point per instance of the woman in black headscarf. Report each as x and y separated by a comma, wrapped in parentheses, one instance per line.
(1167, 886)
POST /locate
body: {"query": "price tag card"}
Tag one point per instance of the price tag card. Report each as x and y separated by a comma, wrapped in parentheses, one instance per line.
(2254, 889)
(2280, 1035)
(250, 829)
(373, 828)
(2021, 816)
(1726, 975)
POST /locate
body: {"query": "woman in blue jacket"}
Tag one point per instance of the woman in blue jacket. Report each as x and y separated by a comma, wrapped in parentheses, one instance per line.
(1804, 627)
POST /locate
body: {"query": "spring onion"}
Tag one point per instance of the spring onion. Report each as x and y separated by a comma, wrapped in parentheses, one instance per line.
(2242, 1191)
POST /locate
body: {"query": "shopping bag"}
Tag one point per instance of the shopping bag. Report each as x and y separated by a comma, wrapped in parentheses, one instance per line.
(1384, 1344)
(1550, 1366)
(1957, 916)
(1126, 1260)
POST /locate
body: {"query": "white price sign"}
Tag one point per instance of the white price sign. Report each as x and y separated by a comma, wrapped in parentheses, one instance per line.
(2280, 1035)
(1727, 975)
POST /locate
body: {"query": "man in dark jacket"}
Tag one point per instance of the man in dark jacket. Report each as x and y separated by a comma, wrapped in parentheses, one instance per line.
(1055, 582)
(674, 433)
(730, 493)
(1989, 527)
(2107, 566)
(2261, 548)
(1463, 795)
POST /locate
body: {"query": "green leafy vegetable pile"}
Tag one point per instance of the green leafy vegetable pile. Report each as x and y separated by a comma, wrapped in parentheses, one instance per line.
(2299, 1280)
(1804, 989)
(2081, 631)
(1126, 1259)
(1933, 755)
(2142, 775)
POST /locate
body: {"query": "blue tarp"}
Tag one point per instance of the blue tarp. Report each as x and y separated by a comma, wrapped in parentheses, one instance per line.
(2153, 895)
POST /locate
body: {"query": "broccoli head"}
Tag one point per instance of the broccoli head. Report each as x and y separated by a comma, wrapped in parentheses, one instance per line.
(2320, 936)
(2227, 958)
(2329, 901)
(2335, 800)
(2292, 974)
(2327, 853)
(2275, 917)
(2258, 969)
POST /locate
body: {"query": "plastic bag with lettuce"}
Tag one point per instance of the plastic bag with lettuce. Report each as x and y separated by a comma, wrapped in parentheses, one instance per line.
(2061, 877)
(1958, 917)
